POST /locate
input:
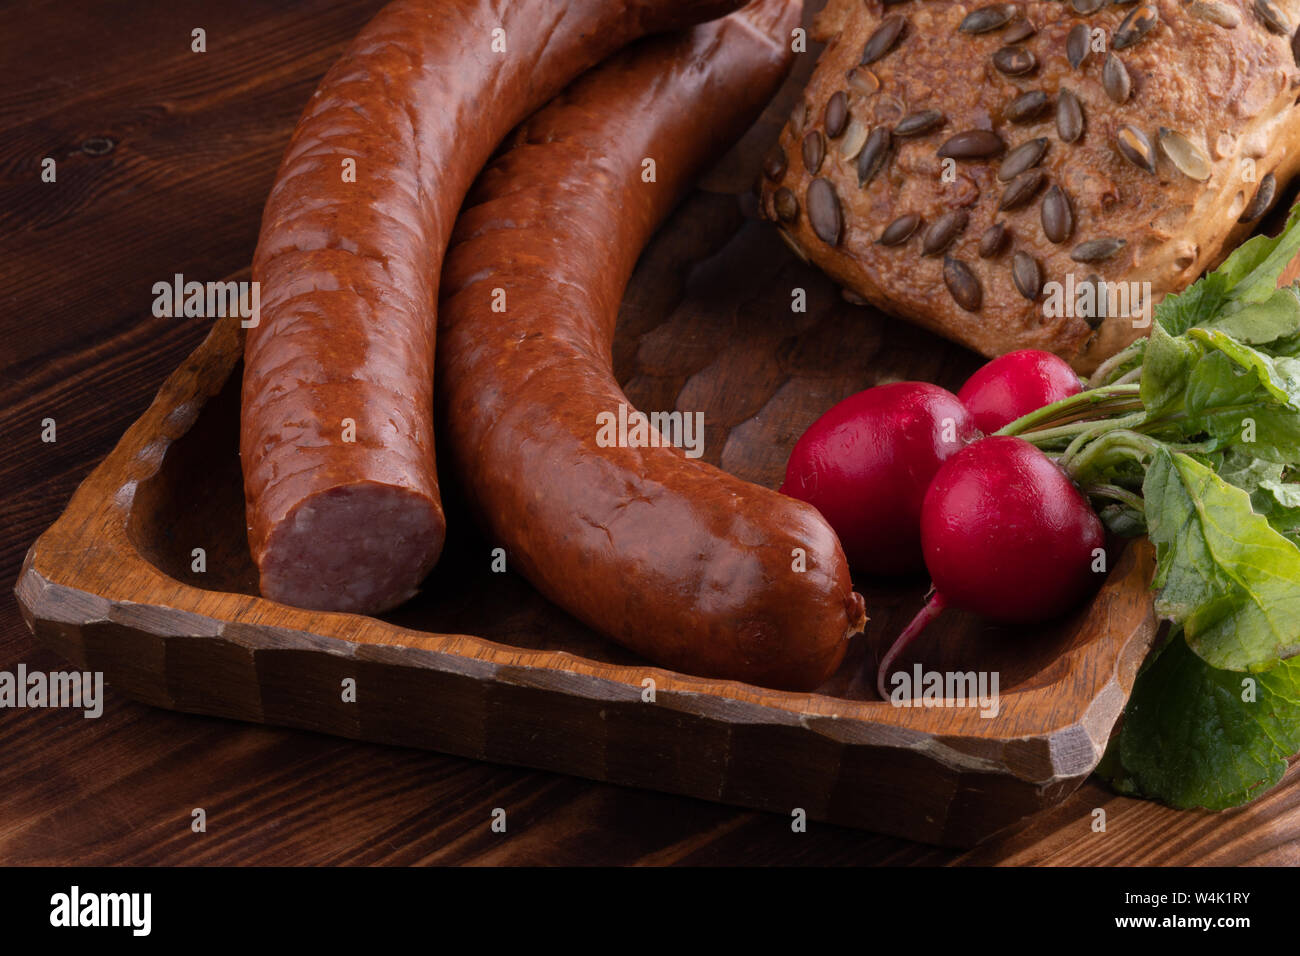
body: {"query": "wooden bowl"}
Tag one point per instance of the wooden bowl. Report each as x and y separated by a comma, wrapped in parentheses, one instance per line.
(480, 665)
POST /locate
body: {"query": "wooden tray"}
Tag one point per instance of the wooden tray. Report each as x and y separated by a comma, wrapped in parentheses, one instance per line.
(480, 665)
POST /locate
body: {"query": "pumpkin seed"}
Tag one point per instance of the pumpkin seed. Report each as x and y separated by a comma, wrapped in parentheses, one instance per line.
(900, 230)
(774, 164)
(1095, 250)
(824, 212)
(862, 80)
(1027, 274)
(1014, 60)
(922, 121)
(1136, 148)
(962, 284)
(1134, 27)
(1115, 79)
(786, 205)
(814, 151)
(1217, 13)
(1087, 7)
(943, 231)
(1022, 189)
(1263, 199)
(873, 155)
(994, 238)
(1077, 44)
(989, 18)
(1019, 31)
(1295, 46)
(972, 144)
(1272, 17)
(1027, 107)
(1095, 316)
(1058, 219)
(1027, 154)
(1187, 157)
(836, 117)
(883, 38)
(1069, 116)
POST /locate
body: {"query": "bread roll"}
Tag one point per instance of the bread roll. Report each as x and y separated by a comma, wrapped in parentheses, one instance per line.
(1126, 142)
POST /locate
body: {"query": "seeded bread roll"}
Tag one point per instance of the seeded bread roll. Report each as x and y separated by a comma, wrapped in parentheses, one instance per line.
(1127, 142)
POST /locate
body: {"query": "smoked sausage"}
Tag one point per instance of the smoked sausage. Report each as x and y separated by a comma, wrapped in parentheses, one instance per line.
(336, 435)
(692, 568)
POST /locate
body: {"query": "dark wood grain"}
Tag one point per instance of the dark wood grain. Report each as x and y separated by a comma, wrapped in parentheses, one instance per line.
(79, 346)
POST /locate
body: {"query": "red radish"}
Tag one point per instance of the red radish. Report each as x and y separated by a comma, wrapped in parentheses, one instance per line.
(866, 463)
(1006, 534)
(1016, 384)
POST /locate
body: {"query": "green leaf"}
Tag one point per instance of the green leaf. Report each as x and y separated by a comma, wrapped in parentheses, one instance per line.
(1222, 572)
(1197, 304)
(1189, 739)
(1258, 323)
(1166, 367)
(1239, 467)
(1279, 502)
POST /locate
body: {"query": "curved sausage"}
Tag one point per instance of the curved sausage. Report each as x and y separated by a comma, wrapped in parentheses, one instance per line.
(337, 423)
(689, 566)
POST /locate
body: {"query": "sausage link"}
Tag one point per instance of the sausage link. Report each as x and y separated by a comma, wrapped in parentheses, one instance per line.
(689, 566)
(336, 434)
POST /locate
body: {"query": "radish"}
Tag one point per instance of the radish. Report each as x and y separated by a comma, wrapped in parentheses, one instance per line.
(865, 465)
(1007, 535)
(1016, 384)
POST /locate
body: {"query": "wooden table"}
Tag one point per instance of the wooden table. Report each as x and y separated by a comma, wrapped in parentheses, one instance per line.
(164, 159)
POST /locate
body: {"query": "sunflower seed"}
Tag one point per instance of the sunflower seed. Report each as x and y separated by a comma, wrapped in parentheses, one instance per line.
(1136, 148)
(774, 164)
(1027, 274)
(814, 151)
(883, 38)
(824, 211)
(1087, 7)
(1272, 17)
(1019, 31)
(1024, 156)
(862, 80)
(794, 246)
(988, 18)
(786, 205)
(873, 155)
(1058, 220)
(1014, 60)
(900, 230)
(1077, 44)
(1115, 79)
(1022, 189)
(1069, 116)
(1189, 158)
(914, 124)
(943, 231)
(1095, 250)
(1217, 13)
(1263, 199)
(1134, 27)
(994, 238)
(837, 114)
(962, 284)
(1027, 107)
(972, 144)
(852, 142)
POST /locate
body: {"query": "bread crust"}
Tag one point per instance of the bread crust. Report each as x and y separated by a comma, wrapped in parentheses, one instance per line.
(1230, 92)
